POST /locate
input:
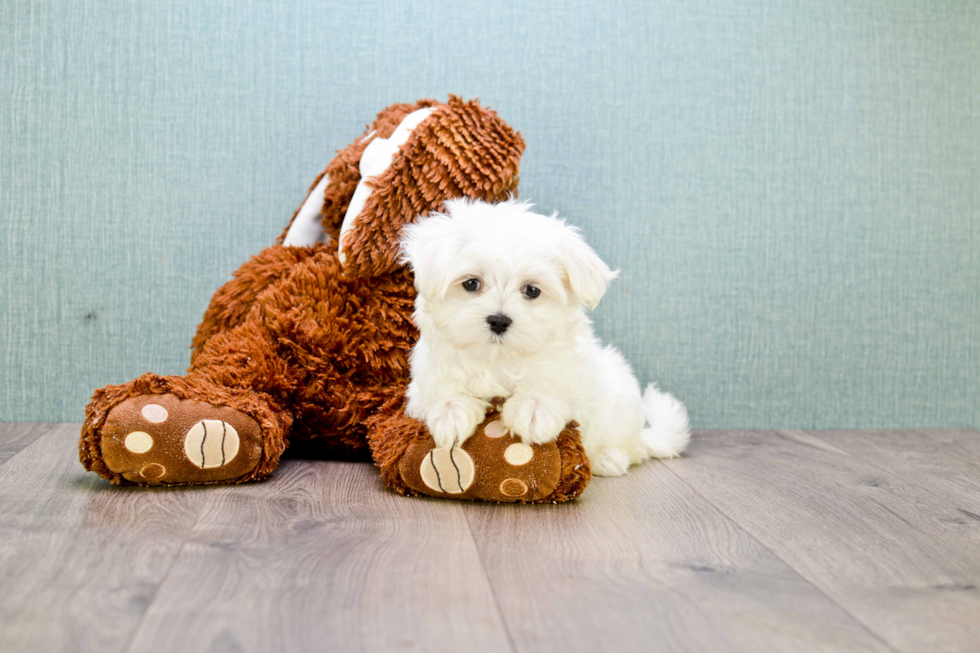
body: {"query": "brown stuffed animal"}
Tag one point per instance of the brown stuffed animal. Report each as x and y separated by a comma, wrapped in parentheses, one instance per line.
(307, 345)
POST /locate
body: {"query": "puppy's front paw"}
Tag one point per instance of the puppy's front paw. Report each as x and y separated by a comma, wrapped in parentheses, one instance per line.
(537, 419)
(450, 422)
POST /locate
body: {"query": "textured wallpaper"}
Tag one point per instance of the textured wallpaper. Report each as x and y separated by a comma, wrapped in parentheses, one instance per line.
(792, 189)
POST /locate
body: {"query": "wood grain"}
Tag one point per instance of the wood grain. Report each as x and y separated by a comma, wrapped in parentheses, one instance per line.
(890, 549)
(642, 563)
(945, 462)
(322, 558)
(756, 541)
(80, 560)
(14, 436)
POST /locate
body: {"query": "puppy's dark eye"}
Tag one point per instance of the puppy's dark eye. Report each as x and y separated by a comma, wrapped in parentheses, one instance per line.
(471, 285)
(531, 292)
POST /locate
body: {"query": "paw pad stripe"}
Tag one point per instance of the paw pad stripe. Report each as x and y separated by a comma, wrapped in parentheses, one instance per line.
(432, 463)
(211, 443)
(459, 478)
(450, 471)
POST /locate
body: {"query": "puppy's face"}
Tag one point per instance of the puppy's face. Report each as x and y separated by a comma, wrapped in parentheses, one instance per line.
(500, 279)
(501, 301)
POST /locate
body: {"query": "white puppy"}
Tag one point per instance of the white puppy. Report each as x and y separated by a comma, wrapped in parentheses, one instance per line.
(502, 298)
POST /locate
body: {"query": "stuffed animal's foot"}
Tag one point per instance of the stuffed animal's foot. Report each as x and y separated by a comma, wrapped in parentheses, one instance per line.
(163, 438)
(160, 439)
(495, 465)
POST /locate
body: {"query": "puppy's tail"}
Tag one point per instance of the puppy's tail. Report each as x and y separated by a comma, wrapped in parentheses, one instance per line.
(669, 429)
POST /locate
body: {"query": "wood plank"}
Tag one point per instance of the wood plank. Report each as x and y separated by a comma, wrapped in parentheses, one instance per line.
(642, 563)
(14, 436)
(80, 560)
(897, 555)
(324, 559)
(946, 462)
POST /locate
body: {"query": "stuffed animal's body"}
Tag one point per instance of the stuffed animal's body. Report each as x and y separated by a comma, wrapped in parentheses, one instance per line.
(308, 345)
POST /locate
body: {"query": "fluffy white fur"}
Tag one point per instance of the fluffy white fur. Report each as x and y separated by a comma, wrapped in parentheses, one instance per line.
(548, 363)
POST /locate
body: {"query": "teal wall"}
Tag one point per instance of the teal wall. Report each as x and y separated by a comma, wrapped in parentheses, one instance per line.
(792, 189)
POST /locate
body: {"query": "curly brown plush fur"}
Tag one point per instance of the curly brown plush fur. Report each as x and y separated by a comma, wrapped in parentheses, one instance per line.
(313, 353)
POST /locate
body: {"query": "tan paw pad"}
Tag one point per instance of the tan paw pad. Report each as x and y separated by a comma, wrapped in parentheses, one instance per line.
(211, 443)
(513, 487)
(153, 472)
(495, 429)
(155, 413)
(518, 454)
(448, 470)
(138, 442)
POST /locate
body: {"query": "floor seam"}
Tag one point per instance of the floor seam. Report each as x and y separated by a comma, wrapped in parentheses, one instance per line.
(873, 463)
(796, 571)
(486, 575)
(139, 624)
(166, 576)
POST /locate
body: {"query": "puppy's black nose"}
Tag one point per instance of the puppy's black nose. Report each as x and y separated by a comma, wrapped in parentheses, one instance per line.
(499, 323)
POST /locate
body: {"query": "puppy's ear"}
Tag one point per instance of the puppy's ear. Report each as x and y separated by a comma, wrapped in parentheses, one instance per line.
(588, 276)
(429, 246)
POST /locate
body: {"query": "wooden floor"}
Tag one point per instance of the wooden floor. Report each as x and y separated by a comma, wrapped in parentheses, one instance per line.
(755, 541)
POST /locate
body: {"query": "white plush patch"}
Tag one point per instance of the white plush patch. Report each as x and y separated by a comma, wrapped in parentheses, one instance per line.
(154, 413)
(518, 454)
(513, 487)
(375, 159)
(307, 229)
(448, 470)
(211, 443)
(496, 429)
(138, 442)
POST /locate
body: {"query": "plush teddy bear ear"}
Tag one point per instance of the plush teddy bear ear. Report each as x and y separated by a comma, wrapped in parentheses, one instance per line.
(588, 276)
(321, 215)
(436, 153)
